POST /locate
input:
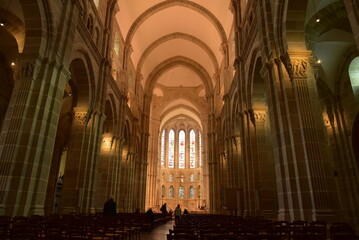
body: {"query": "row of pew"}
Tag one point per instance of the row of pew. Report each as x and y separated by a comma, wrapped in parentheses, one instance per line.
(123, 226)
(224, 227)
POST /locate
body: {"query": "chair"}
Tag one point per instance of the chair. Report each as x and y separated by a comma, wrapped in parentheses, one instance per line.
(181, 237)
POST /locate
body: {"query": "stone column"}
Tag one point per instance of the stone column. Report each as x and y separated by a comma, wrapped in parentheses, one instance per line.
(264, 171)
(27, 137)
(306, 189)
(81, 165)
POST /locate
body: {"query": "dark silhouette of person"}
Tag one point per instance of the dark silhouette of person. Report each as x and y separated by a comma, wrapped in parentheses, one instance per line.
(109, 209)
(185, 212)
(163, 209)
(151, 215)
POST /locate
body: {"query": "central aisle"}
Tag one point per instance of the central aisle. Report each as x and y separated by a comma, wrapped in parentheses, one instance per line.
(158, 233)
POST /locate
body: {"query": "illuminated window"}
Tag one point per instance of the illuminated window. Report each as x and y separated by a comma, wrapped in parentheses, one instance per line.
(192, 149)
(163, 148)
(191, 192)
(171, 149)
(200, 148)
(170, 192)
(171, 177)
(182, 178)
(116, 44)
(181, 192)
(182, 149)
(191, 178)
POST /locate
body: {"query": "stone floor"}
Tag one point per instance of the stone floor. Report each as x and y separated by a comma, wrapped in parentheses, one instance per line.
(158, 233)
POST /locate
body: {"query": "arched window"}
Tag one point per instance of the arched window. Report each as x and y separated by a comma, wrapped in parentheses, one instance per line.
(163, 148)
(171, 149)
(192, 149)
(191, 178)
(171, 177)
(163, 191)
(200, 149)
(191, 192)
(354, 76)
(182, 149)
(170, 192)
(181, 192)
(116, 44)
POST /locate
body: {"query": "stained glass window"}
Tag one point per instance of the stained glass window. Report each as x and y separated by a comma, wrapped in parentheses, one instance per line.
(181, 149)
(170, 192)
(171, 177)
(192, 149)
(171, 149)
(191, 192)
(191, 178)
(181, 192)
(163, 148)
(200, 148)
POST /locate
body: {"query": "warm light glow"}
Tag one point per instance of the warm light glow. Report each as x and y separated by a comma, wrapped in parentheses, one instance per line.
(106, 142)
(318, 20)
(2, 24)
(319, 61)
(12, 64)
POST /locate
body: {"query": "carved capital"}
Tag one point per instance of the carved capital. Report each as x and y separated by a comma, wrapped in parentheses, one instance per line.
(260, 116)
(80, 118)
(27, 69)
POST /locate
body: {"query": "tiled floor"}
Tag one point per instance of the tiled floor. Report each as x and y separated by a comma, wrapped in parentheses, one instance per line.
(158, 233)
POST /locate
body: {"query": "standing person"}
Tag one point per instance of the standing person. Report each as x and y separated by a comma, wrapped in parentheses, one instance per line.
(163, 209)
(178, 213)
(109, 209)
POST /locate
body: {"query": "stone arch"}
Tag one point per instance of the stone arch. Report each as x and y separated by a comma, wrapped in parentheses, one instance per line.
(288, 33)
(15, 26)
(253, 72)
(8, 66)
(172, 36)
(330, 15)
(170, 3)
(184, 61)
(83, 78)
(190, 109)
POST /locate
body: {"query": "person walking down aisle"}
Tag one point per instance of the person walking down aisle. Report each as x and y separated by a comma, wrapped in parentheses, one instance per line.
(109, 209)
(178, 213)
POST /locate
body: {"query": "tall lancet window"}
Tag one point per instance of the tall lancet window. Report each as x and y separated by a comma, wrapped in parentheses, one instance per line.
(181, 149)
(192, 149)
(171, 149)
(191, 192)
(181, 192)
(200, 149)
(170, 192)
(163, 148)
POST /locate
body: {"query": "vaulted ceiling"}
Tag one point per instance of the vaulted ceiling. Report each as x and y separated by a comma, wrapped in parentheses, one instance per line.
(176, 43)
